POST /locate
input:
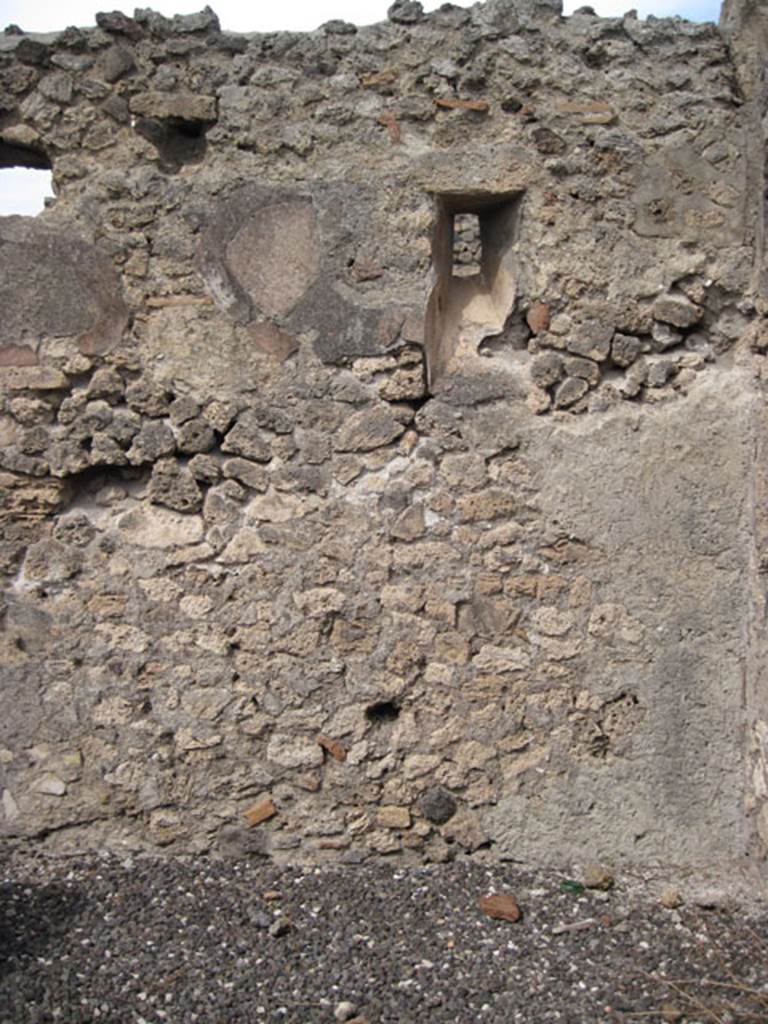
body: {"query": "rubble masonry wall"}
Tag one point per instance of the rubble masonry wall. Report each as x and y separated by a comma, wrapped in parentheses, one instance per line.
(330, 531)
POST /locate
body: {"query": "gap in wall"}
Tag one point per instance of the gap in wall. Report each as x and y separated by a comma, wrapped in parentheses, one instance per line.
(26, 180)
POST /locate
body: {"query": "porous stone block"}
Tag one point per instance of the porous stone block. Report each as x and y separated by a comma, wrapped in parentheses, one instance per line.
(184, 106)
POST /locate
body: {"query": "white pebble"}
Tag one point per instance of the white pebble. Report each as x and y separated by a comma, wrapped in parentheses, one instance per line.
(345, 1011)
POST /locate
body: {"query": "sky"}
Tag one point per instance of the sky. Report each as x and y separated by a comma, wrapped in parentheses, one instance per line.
(22, 190)
(299, 15)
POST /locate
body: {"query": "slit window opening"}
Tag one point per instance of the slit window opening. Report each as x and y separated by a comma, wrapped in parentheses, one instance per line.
(467, 245)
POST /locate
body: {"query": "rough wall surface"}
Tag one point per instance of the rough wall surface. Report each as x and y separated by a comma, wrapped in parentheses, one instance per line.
(382, 418)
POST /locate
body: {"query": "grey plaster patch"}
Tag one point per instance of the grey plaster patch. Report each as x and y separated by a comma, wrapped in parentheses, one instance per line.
(54, 284)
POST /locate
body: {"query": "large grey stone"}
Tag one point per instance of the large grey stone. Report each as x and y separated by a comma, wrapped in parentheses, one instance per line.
(176, 106)
(368, 429)
(174, 486)
(437, 805)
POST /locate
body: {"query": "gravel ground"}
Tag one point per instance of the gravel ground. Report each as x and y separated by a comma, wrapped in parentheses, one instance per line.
(175, 942)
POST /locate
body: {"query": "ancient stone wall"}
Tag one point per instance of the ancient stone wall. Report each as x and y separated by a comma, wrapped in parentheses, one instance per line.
(382, 418)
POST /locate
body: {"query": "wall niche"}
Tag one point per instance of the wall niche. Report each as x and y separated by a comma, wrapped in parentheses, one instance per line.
(474, 270)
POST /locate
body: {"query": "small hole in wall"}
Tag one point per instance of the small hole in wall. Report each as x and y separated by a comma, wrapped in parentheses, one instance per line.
(467, 245)
(599, 746)
(176, 140)
(382, 711)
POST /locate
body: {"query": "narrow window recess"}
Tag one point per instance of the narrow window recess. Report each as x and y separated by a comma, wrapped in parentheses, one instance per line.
(474, 273)
(26, 181)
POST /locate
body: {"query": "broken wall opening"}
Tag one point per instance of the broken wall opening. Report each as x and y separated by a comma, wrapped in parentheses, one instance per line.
(26, 179)
(474, 271)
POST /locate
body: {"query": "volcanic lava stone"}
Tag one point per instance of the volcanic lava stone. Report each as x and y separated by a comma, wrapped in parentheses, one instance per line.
(437, 805)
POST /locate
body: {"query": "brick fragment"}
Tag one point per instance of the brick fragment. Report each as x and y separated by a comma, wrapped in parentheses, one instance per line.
(591, 111)
(538, 317)
(448, 103)
(501, 907)
(261, 812)
(390, 122)
(376, 79)
(18, 355)
(334, 748)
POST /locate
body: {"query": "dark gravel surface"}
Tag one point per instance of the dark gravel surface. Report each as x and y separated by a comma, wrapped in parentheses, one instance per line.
(150, 941)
